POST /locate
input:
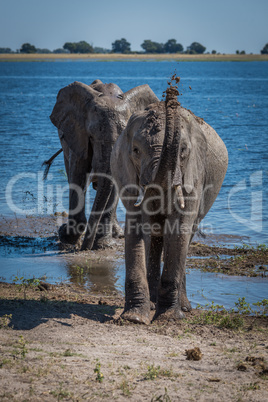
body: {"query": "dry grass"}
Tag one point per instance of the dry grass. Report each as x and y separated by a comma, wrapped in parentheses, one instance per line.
(133, 57)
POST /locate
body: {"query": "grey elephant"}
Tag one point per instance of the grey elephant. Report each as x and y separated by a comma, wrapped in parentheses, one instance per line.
(169, 166)
(89, 119)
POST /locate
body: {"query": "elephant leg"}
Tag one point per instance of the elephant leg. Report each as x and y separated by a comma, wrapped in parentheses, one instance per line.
(172, 298)
(184, 302)
(154, 247)
(137, 299)
(77, 171)
(105, 234)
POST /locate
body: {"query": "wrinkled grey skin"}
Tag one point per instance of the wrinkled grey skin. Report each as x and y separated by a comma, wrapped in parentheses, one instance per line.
(169, 147)
(89, 119)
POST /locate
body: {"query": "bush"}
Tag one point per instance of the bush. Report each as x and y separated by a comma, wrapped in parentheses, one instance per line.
(78, 47)
(27, 48)
(5, 50)
(44, 51)
(121, 46)
(196, 48)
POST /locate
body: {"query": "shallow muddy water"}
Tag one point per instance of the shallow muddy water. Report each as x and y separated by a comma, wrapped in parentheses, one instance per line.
(103, 272)
(108, 277)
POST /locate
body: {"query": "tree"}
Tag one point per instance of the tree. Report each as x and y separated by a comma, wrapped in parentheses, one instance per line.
(78, 47)
(265, 49)
(196, 47)
(5, 50)
(83, 47)
(214, 52)
(27, 48)
(152, 47)
(121, 46)
(171, 46)
(69, 46)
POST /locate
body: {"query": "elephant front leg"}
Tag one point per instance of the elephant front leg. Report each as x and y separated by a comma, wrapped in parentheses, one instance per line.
(154, 247)
(172, 298)
(184, 301)
(71, 231)
(77, 171)
(137, 300)
(109, 229)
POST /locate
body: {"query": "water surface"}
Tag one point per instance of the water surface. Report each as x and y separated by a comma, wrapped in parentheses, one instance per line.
(231, 96)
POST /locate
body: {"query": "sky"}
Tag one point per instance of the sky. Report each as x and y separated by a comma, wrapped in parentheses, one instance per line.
(221, 25)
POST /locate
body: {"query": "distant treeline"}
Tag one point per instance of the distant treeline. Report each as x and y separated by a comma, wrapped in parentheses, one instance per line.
(123, 46)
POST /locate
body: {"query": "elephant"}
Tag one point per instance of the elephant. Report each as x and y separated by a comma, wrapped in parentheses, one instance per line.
(89, 119)
(169, 166)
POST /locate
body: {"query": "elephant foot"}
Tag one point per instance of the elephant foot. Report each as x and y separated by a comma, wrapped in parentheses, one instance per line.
(104, 242)
(171, 314)
(137, 316)
(68, 235)
(185, 304)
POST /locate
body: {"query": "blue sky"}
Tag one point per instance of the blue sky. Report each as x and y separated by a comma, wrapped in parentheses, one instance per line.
(226, 25)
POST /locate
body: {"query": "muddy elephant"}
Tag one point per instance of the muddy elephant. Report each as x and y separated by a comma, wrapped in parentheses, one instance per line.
(169, 166)
(89, 119)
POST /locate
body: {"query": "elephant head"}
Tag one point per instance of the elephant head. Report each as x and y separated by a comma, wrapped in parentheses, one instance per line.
(89, 119)
(166, 149)
(169, 166)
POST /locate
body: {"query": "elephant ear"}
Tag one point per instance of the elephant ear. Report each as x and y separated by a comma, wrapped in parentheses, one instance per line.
(70, 113)
(195, 165)
(139, 98)
(123, 169)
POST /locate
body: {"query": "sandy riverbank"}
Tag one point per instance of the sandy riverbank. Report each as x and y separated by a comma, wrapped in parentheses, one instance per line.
(62, 343)
(132, 57)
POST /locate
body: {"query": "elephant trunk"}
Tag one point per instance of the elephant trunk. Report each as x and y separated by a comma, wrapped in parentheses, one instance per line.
(168, 161)
(168, 172)
(104, 192)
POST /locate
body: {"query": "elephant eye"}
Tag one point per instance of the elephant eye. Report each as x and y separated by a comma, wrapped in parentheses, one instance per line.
(183, 150)
(136, 151)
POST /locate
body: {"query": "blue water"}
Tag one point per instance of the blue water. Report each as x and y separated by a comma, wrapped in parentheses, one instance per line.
(230, 96)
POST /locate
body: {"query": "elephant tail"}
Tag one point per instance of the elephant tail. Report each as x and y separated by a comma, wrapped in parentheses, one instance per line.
(49, 162)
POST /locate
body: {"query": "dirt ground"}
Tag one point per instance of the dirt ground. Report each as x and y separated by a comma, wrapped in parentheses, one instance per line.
(60, 342)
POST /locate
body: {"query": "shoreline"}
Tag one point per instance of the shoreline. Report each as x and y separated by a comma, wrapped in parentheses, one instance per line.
(17, 57)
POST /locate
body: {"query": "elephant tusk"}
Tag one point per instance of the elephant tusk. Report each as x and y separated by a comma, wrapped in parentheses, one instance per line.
(140, 198)
(180, 196)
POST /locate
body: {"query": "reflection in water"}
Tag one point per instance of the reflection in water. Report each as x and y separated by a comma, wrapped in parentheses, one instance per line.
(39, 257)
(98, 276)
